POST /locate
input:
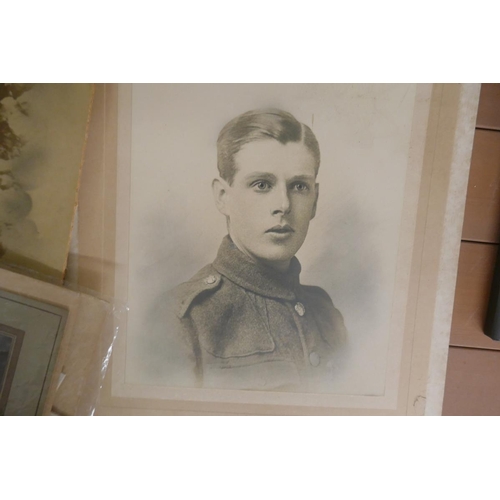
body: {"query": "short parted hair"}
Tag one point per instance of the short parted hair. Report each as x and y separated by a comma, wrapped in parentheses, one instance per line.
(257, 125)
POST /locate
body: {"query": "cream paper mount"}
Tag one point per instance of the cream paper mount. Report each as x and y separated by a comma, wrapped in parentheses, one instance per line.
(384, 243)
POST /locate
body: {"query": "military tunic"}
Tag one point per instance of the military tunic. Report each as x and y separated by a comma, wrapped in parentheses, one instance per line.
(239, 325)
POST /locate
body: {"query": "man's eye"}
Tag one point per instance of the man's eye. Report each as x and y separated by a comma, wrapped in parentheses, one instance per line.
(261, 185)
(300, 186)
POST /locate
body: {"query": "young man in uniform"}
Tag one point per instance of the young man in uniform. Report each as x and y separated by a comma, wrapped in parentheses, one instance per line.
(245, 321)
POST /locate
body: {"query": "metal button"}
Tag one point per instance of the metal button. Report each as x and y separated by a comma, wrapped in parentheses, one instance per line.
(314, 358)
(299, 307)
(210, 280)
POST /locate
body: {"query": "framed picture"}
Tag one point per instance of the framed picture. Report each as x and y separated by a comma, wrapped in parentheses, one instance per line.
(54, 345)
(282, 248)
(30, 336)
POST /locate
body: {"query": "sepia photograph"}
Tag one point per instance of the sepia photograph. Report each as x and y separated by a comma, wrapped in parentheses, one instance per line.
(265, 223)
(270, 242)
(43, 129)
(245, 321)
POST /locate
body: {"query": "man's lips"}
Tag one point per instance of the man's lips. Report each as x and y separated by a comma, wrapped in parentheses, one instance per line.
(281, 229)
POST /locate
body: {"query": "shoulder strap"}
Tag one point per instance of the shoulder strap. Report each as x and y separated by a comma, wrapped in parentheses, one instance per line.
(206, 280)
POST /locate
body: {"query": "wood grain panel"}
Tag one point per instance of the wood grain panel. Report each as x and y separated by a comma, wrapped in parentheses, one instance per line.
(488, 115)
(473, 375)
(472, 382)
(475, 272)
(482, 209)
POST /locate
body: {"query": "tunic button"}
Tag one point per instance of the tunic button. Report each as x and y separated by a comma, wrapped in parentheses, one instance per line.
(301, 310)
(210, 280)
(314, 358)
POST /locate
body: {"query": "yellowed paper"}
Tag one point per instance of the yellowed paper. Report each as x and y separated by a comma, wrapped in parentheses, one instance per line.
(39, 174)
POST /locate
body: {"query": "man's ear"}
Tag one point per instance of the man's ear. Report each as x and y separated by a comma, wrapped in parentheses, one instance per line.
(316, 190)
(220, 190)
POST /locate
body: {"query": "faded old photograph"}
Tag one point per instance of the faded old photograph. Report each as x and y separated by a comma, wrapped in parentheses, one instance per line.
(42, 136)
(264, 229)
(246, 321)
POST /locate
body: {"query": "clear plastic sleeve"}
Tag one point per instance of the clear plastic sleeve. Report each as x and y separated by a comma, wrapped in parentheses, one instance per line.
(55, 346)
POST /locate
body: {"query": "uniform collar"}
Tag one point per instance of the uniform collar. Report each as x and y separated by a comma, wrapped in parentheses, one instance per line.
(240, 269)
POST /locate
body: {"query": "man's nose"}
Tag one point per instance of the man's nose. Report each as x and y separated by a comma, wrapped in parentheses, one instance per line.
(281, 201)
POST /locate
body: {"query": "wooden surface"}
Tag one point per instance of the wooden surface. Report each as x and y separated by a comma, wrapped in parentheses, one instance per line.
(475, 271)
(482, 212)
(488, 115)
(472, 382)
(473, 375)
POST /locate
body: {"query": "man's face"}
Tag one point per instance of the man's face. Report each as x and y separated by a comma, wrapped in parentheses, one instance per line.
(271, 201)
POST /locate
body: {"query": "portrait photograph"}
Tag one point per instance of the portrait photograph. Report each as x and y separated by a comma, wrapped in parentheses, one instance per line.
(270, 239)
